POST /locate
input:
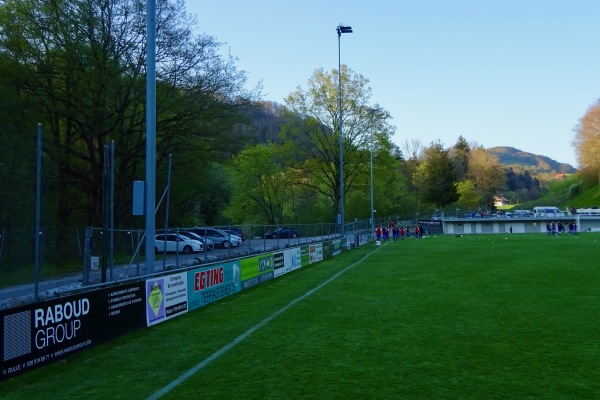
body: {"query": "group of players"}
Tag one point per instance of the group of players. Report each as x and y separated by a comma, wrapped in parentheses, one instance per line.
(398, 233)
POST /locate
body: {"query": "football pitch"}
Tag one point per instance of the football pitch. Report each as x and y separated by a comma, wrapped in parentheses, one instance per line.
(470, 317)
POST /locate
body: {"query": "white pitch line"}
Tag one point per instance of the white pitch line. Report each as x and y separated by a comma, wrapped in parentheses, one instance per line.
(183, 377)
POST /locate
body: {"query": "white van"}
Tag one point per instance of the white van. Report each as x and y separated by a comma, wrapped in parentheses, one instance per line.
(548, 211)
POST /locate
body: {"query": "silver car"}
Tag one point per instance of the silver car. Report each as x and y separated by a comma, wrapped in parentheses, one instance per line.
(220, 238)
(208, 244)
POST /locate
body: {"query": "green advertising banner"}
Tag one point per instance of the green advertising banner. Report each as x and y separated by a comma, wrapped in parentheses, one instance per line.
(304, 257)
(256, 270)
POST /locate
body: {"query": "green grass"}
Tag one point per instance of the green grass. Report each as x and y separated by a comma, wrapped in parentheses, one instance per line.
(560, 194)
(471, 317)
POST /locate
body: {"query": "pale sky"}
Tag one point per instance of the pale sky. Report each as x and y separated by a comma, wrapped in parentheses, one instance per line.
(517, 73)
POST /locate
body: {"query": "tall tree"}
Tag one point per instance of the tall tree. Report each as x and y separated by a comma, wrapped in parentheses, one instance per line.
(312, 134)
(261, 187)
(439, 176)
(412, 171)
(587, 142)
(469, 196)
(460, 157)
(486, 173)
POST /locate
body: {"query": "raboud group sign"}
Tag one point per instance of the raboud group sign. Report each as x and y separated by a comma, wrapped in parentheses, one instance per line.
(40, 333)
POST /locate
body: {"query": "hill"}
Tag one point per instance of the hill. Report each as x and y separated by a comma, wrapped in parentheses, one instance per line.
(512, 157)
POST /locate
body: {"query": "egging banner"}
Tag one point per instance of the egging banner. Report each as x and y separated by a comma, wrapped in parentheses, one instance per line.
(209, 284)
(41, 333)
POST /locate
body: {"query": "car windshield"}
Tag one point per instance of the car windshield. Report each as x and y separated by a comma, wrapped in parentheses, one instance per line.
(190, 236)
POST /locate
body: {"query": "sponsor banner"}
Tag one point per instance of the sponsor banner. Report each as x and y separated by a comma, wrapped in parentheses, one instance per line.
(336, 247)
(256, 270)
(124, 309)
(315, 252)
(279, 265)
(327, 250)
(286, 261)
(304, 255)
(166, 297)
(430, 222)
(295, 258)
(41, 333)
(364, 239)
(209, 284)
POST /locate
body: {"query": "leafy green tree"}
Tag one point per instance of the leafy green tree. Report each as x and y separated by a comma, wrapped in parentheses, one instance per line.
(487, 174)
(587, 143)
(412, 172)
(260, 186)
(439, 176)
(312, 133)
(389, 187)
(469, 196)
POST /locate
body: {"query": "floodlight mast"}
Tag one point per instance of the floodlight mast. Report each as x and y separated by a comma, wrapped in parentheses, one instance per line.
(341, 28)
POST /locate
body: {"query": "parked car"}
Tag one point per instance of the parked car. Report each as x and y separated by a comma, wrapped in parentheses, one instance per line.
(282, 233)
(220, 238)
(208, 244)
(233, 230)
(522, 213)
(176, 243)
(548, 211)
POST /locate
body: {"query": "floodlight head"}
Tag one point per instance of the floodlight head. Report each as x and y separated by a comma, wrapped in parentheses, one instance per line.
(343, 29)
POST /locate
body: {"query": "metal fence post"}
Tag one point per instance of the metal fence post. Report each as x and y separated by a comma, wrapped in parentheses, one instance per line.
(38, 185)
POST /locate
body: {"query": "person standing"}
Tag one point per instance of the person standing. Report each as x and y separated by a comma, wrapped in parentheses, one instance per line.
(417, 232)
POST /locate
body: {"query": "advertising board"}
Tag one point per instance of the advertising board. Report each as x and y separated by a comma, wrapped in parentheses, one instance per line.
(166, 297)
(256, 270)
(286, 261)
(209, 284)
(41, 333)
(315, 252)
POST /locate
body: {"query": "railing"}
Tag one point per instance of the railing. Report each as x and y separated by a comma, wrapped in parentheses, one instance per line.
(81, 257)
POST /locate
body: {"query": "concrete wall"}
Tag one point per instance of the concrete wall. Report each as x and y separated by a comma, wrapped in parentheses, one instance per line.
(460, 226)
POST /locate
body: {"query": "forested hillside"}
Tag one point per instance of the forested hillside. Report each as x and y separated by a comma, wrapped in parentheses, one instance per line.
(522, 160)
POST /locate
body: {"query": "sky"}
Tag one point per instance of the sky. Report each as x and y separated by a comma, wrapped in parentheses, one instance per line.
(517, 73)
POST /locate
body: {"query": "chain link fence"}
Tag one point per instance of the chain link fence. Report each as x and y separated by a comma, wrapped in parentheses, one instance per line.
(67, 268)
(39, 261)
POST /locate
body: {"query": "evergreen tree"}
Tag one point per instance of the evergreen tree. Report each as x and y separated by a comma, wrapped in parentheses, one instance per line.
(440, 178)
